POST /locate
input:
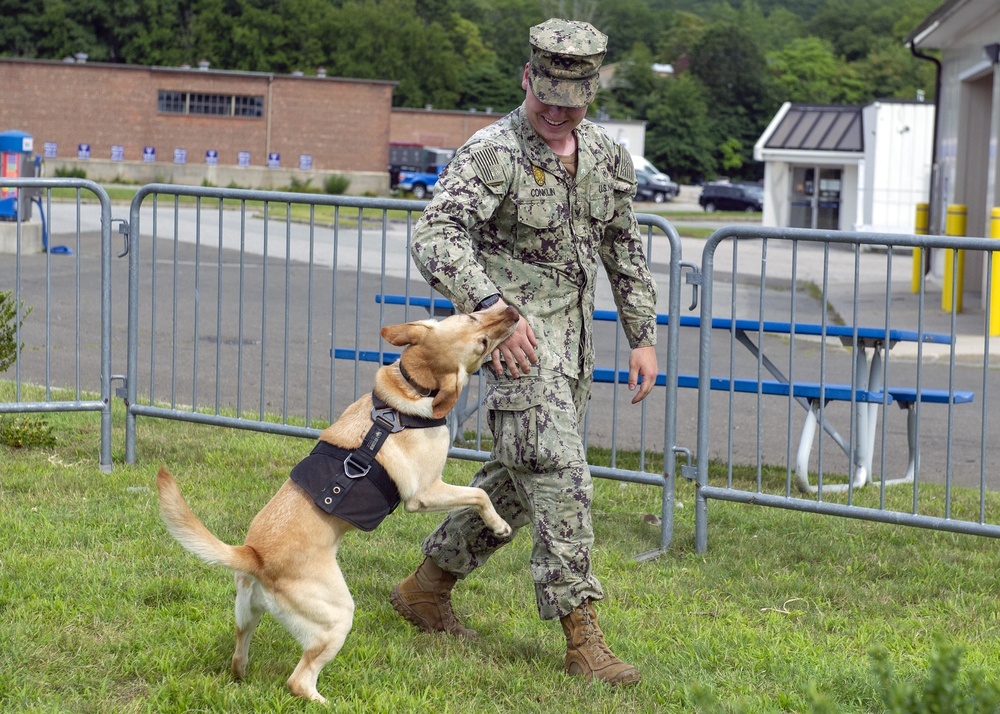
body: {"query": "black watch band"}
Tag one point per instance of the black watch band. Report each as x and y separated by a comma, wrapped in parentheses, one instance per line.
(488, 301)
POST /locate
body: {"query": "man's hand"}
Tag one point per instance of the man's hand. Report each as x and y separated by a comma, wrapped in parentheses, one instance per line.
(518, 350)
(642, 363)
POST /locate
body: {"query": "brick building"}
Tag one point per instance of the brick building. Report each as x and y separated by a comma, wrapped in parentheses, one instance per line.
(438, 128)
(113, 116)
(219, 126)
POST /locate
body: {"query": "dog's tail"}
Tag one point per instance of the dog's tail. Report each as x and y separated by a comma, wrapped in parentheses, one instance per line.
(194, 536)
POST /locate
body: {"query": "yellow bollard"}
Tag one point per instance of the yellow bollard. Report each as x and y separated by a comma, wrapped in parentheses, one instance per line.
(954, 269)
(919, 228)
(995, 276)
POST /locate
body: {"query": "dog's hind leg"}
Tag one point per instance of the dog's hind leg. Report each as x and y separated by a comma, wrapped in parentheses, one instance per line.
(319, 614)
(249, 610)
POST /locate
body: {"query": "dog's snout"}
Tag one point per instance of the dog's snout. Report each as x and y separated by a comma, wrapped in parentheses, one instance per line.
(511, 313)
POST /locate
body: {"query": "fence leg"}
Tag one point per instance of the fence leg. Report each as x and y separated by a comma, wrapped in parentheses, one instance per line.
(920, 227)
(954, 260)
(994, 303)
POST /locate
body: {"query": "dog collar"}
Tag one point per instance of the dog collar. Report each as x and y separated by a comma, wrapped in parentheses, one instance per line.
(421, 390)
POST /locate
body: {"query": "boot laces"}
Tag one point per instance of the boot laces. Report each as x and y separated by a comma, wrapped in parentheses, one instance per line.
(448, 619)
(593, 638)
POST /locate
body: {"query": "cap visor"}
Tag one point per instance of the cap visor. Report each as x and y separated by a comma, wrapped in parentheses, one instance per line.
(561, 92)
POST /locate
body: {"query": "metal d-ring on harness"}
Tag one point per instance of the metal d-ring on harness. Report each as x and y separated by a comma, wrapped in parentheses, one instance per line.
(385, 421)
(351, 484)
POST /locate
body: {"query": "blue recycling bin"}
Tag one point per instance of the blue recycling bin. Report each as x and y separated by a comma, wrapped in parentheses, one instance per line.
(15, 162)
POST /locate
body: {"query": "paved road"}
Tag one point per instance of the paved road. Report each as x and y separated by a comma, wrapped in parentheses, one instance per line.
(293, 366)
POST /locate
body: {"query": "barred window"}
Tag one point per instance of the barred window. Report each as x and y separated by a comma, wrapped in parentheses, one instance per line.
(215, 104)
(248, 106)
(172, 102)
(222, 105)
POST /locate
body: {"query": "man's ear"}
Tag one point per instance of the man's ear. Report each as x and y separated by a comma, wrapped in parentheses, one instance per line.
(409, 333)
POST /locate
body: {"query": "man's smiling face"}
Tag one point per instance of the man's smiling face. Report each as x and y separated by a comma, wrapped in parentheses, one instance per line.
(554, 124)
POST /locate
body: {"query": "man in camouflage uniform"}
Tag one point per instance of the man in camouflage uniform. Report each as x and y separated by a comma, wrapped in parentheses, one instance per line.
(527, 209)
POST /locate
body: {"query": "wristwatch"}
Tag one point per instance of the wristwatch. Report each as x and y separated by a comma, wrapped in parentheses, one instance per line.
(488, 301)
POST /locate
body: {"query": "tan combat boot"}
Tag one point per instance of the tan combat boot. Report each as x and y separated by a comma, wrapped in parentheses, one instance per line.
(424, 599)
(586, 652)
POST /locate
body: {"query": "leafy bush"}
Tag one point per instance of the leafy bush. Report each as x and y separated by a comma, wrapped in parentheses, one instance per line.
(70, 172)
(25, 431)
(945, 689)
(11, 316)
(336, 184)
(299, 186)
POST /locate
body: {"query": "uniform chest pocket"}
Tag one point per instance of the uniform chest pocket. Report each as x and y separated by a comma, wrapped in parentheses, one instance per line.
(602, 203)
(540, 214)
(543, 232)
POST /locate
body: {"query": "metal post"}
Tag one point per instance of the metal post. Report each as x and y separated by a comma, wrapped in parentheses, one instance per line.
(954, 260)
(920, 229)
(995, 281)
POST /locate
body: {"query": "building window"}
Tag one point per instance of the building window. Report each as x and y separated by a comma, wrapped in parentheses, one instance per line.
(172, 102)
(248, 106)
(215, 104)
(222, 105)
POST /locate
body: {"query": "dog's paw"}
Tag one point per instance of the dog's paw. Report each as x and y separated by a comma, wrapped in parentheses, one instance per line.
(502, 528)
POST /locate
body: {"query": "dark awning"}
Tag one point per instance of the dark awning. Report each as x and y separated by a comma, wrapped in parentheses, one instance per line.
(811, 127)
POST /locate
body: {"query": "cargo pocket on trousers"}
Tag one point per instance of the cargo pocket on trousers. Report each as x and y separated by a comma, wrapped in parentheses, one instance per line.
(513, 405)
(544, 572)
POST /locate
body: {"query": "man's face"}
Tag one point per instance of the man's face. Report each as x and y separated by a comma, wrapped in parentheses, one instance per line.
(554, 124)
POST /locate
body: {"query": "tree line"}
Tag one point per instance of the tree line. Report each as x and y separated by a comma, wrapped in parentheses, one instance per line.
(734, 62)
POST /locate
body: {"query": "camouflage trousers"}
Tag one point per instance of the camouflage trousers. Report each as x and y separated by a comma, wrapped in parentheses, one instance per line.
(537, 476)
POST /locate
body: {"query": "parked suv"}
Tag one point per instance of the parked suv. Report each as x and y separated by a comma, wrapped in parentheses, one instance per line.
(655, 187)
(732, 197)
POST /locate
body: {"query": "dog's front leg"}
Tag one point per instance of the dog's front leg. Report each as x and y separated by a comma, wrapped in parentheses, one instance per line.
(441, 496)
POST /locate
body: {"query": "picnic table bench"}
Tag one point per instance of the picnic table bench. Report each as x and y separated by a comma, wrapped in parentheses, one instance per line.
(866, 396)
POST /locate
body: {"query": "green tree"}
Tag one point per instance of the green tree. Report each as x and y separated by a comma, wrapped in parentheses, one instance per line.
(678, 39)
(504, 25)
(679, 135)
(772, 28)
(807, 70)
(890, 71)
(387, 40)
(730, 64)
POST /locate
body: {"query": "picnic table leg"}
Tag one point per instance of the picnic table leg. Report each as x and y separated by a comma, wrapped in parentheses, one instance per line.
(871, 380)
(805, 448)
(913, 462)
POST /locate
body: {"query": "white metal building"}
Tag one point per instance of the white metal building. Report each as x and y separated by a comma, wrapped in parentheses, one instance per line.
(846, 167)
(966, 161)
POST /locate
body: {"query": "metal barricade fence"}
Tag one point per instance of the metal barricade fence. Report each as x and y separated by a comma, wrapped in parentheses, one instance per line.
(808, 343)
(261, 310)
(57, 368)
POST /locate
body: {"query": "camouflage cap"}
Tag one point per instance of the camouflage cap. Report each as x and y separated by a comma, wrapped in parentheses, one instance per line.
(565, 57)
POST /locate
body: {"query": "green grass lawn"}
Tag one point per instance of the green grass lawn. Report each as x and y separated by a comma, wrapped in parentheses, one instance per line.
(101, 611)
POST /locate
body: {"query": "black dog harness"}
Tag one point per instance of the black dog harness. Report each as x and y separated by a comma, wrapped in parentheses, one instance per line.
(351, 484)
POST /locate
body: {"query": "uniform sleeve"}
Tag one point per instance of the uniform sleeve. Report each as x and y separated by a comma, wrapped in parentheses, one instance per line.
(625, 262)
(444, 250)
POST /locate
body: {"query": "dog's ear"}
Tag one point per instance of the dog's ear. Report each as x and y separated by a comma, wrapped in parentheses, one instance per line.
(409, 333)
(447, 396)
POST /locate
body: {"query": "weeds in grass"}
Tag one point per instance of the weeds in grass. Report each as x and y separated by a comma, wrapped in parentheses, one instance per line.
(103, 611)
(12, 316)
(25, 431)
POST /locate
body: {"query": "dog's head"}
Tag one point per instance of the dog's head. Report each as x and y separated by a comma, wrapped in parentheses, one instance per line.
(441, 354)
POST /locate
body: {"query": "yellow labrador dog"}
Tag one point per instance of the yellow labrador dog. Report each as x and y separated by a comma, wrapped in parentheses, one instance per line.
(288, 564)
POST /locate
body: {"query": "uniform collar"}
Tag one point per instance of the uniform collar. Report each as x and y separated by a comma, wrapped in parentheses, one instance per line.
(540, 154)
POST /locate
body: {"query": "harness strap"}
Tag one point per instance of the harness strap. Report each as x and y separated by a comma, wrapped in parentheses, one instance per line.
(386, 420)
